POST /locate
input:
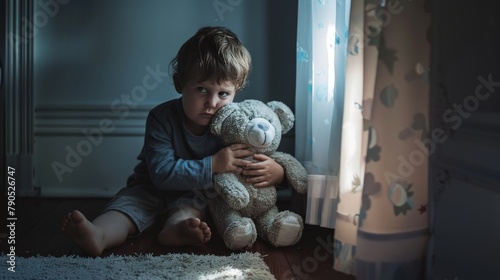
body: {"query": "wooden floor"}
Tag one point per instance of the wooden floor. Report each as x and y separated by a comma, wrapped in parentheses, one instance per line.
(37, 233)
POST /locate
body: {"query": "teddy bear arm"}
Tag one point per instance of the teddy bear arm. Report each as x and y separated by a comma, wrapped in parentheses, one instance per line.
(232, 191)
(294, 171)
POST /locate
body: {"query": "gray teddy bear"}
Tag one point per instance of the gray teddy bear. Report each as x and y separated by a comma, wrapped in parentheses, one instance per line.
(239, 210)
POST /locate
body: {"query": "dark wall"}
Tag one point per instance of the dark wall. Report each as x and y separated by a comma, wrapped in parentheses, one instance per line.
(89, 54)
(465, 110)
(91, 50)
(282, 33)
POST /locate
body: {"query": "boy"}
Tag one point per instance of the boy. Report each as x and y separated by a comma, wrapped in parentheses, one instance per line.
(179, 153)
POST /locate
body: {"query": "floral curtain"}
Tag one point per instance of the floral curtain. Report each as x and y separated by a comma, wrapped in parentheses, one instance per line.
(371, 185)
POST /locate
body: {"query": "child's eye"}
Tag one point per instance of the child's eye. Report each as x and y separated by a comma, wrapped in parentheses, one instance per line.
(202, 89)
(223, 94)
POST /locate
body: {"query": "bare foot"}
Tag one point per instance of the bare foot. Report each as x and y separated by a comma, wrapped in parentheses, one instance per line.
(81, 231)
(191, 231)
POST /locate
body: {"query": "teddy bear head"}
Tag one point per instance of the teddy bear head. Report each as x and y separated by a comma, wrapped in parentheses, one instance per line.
(254, 123)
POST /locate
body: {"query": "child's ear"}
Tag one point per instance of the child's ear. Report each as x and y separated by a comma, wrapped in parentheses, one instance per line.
(177, 83)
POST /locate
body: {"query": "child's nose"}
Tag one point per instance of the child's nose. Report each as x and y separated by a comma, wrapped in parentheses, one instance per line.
(212, 101)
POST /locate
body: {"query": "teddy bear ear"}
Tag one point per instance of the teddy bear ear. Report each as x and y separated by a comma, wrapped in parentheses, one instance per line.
(220, 116)
(284, 114)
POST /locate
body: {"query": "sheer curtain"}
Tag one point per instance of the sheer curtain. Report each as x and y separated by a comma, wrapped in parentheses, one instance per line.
(362, 110)
(321, 56)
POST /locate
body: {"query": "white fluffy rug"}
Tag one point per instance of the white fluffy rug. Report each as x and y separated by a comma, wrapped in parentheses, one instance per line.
(170, 266)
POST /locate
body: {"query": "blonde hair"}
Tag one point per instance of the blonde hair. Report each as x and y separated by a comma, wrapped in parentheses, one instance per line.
(213, 52)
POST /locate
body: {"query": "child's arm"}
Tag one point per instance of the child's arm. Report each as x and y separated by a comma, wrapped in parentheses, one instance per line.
(184, 174)
(170, 170)
(264, 173)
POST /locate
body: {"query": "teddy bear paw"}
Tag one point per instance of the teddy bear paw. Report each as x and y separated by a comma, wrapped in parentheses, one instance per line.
(287, 229)
(240, 234)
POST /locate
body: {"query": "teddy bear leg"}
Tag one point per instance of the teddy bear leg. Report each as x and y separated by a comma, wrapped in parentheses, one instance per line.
(237, 232)
(240, 234)
(280, 228)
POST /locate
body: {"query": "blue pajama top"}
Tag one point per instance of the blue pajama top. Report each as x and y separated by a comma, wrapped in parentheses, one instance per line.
(172, 158)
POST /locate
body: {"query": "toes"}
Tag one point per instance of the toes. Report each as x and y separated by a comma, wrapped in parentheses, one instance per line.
(207, 235)
(201, 230)
(76, 216)
(207, 231)
(65, 221)
(194, 222)
(67, 218)
(203, 225)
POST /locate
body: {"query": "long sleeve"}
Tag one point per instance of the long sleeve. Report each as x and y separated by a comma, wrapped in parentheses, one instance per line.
(172, 158)
(167, 169)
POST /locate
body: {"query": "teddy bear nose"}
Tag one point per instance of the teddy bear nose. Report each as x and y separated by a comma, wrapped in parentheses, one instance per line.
(262, 126)
(259, 133)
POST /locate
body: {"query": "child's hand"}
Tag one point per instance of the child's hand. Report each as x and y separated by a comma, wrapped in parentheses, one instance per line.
(264, 173)
(229, 159)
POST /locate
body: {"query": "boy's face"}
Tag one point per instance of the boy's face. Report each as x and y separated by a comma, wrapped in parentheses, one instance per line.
(201, 100)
